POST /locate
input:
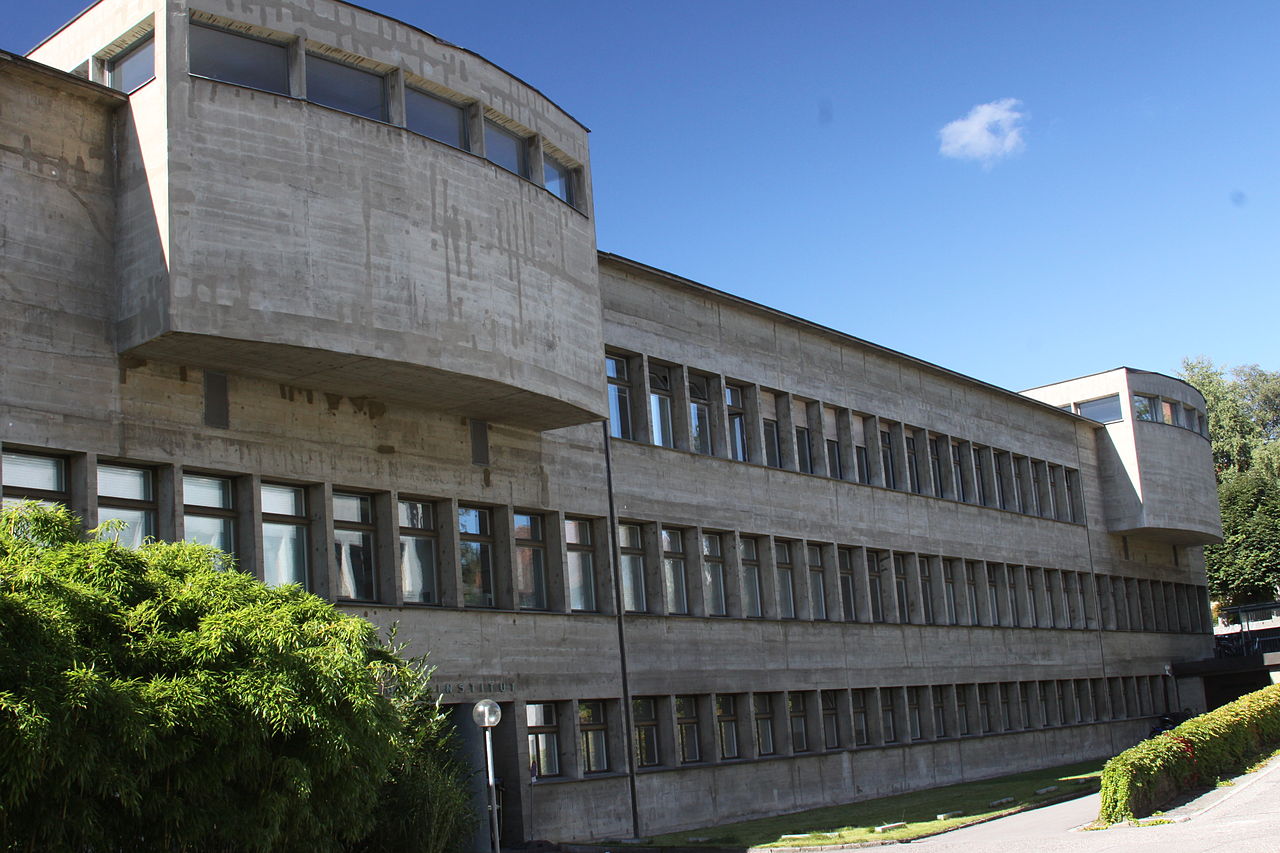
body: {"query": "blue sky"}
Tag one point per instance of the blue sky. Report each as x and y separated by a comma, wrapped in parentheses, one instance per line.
(1127, 210)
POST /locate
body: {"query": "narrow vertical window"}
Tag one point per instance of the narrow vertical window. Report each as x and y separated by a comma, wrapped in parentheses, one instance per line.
(593, 734)
(949, 591)
(475, 555)
(858, 707)
(804, 453)
(29, 477)
(847, 596)
(544, 738)
(1001, 475)
(687, 730)
(888, 720)
(208, 511)
(557, 178)
(644, 716)
(632, 547)
(531, 562)
(673, 571)
(830, 720)
(962, 710)
(581, 567)
(971, 591)
(128, 495)
(957, 472)
(750, 556)
(713, 574)
(835, 465)
(935, 465)
(979, 475)
(817, 583)
(864, 469)
(660, 406)
(1072, 478)
(762, 708)
(700, 414)
(886, 460)
(1053, 492)
(727, 726)
(876, 586)
(786, 588)
(913, 713)
(940, 729)
(913, 466)
(353, 546)
(419, 581)
(772, 444)
(1019, 484)
(799, 727)
(737, 423)
(926, 588)
(619, 397)
(900, 587)
(284, 535)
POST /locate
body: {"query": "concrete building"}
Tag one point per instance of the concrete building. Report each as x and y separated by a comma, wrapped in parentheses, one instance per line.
(313, 285)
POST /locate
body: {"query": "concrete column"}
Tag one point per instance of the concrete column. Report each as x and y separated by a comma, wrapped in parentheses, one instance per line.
(1089, 592)
(719, 417)
(898, 447)
(989, 486)
(321, 559)
(817, 439)
(800, 579)
(786, 432)
(707, 747)
(681, 420)
(247, 499)
(844, 430)
(298, 69)
(504, 563)
(395, 98)
(654, 572)
(556, 563)
(916, 589)
(533, 151)
(871, 435)
(1018, 577)
(831, 582)
(889, 589)
(1043, 492)
(668, 743)
(754, 416)
(732, 575)
(923, 463)
(567, 736)
(1003, 463)
(1061, 499)
(640, 408)
(168, 497)
(768, 578)
(82, 488)
(861, 585)
(450, 567)
(602, 562)
(748, 744)
(844, 718)
(966, 471)
(386, 548)
(695, 579)
(985, 614)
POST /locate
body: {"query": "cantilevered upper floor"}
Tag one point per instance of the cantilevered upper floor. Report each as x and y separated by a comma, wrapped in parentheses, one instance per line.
(316, 194)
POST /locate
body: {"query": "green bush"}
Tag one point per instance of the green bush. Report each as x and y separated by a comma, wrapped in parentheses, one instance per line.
(151, 701)
(1195, 754)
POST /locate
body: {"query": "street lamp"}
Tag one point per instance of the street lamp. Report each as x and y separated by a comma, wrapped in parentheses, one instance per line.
(486, 715)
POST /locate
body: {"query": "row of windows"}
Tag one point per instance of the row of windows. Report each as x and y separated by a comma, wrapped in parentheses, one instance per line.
(715, 416)
(516, 559)
(675, 731)
(1146, 407)
(260, 63)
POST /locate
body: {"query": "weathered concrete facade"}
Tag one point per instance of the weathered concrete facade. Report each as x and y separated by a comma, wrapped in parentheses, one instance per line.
(793, 568)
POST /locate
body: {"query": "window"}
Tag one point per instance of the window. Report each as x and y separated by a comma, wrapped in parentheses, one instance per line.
(544, 738)
(632, 547)
(1171, 413)
(1024, 703)
(127, 494)
(939, 713)
(593, 734)
(687, 733)
(284, 534)
(581, 567)
(28, 477)
(727, 726)
(208, 512)
(435, 118)
(713, 574)
(1019, 483)
(1071, 477)
(887, 461)
(772, 444)
(949, 591)
(1053, 491)
(644, 717)
(804, 453)
(1104, 410)
(558, 180)
(786, 588)
(1145, 408)
(830, 720)
(700, 414)
(506, 149)
(239, 59)
(475, 555)
(993, 592)
(737, 423)
(900, 587)
(847, 598)
(835, 465)
(888, 723)
(619, 397)
(750, 556)
(858, 706)
(864, 469)
(935, 465)
(673, 571)
(957, 472)
(660, 406)
(971, 591)
(762, 707)
(353, 546)
(985, 722)
(347, 88)
(817, 583)
(962, 710)
(418, 579)
(799, 727)
(913, 467)
(1000, 477)
(979, 475)
(875, 585)
(926, 587)
(128, 70)
(531, 562)
(913, 713)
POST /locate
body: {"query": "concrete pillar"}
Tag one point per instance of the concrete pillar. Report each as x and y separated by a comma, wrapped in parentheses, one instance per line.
(386, 548)
(556, 563)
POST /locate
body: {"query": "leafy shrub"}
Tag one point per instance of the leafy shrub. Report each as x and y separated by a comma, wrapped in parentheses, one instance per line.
(150, 701)
(1195, 754)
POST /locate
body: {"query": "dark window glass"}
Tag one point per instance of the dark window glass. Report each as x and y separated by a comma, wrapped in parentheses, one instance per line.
(346, 88)
(505, 149)
(233, 58)
(1105, 410)
(435, 117)
(558, 179)
(137, 65)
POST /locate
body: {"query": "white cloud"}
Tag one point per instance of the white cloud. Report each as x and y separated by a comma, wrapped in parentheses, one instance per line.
(988, 133)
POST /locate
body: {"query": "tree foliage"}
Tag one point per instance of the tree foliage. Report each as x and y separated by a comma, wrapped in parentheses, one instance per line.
(150, 701)
(1244, 428)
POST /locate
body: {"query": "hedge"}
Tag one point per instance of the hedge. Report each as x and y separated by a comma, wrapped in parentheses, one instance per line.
(1195, 754)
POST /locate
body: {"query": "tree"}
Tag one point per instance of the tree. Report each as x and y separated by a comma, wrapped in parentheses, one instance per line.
(151, 701)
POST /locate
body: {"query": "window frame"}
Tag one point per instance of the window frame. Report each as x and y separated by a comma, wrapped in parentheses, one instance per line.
(429, 534)
(367, 529)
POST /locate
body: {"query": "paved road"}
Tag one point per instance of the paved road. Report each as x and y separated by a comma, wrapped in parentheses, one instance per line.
(1241, 818)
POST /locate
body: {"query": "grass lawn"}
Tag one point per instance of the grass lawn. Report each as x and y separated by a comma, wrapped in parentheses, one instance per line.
(919, 810)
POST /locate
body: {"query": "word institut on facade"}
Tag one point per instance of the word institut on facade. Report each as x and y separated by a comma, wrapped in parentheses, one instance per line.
(312, 285)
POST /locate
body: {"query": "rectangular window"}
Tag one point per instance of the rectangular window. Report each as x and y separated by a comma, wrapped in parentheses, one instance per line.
(619, 397)
(858, 707)
(660, 406)
(957, 472)
(913, 465)
(557, 178)
(632, 547)
(804, 453)
(900, 587)
(130, 69)
(962, 709)
(208, 511)
(687, 730)
(353, 546)
(581, 565)
(847, 595)
(544, 738)
(475, 555)
(939, 713)
(799, 727)
(30, 477)
(949, 591)
(435, 118)
(128, 495)
(419, 580)
(727, 726)
(971, 591)
(830, 720)
(593, 734)
(887, 463)
(1071, 478)
(346, 88)
(1145, 408)
(1000, 476)
(239, 59)
(888, 720)
(985, 720)
(993, 592)
(935, 465)
(786, 587)
(1171, 413)
(762, 707)
(506, 149)
(772, 444)
(835, 465)
(700, 414)
(1024, 702)
(817, 583)
(673, 572)
(713, 574)
(875, 585)
(1104, 410)
(750, 556)
(913, 713)
(284, 534)
(531, 562)
(979, 475)
(864, 469)
(1019, 483)
(1053, 491)
(926, 589)
(737, 423)
(644, 717)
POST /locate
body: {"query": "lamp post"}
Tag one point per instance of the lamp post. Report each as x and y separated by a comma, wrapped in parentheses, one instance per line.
(486, 715)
